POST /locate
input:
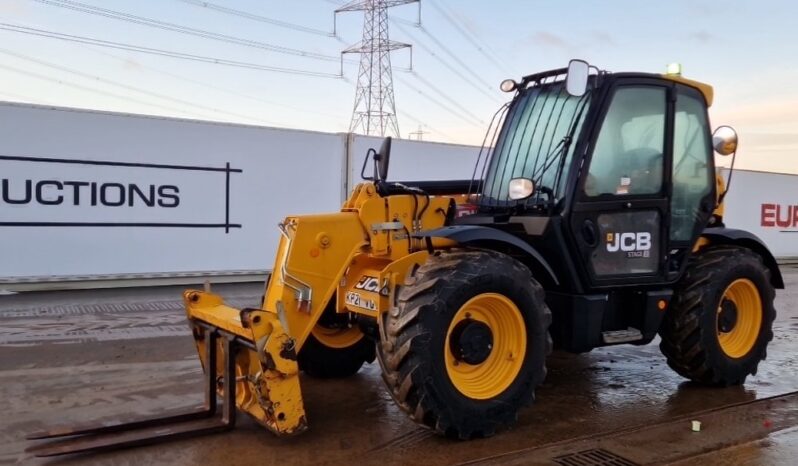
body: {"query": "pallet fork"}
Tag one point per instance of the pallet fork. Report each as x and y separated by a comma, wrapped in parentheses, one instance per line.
(115, 435)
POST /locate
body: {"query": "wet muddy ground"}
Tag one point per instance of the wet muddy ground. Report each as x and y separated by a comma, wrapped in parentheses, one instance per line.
(76, 356)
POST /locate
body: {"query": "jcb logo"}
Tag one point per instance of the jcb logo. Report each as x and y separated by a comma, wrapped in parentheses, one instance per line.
(372, 284)
(629, 242)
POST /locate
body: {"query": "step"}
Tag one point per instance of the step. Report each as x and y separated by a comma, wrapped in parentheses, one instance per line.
(622, 336)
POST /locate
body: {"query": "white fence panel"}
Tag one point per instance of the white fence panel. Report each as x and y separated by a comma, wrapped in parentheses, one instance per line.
(765, 204)
(415, 160)
(92, 193)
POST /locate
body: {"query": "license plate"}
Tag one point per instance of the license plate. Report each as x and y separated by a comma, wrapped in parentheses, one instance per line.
(354, 299)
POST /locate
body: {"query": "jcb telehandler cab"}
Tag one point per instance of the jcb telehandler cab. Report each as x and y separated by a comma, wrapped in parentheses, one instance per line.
(594, 218)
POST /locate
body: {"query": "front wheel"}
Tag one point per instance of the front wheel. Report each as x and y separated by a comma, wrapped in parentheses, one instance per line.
(721, 318)
(466, 346)
(335, 352)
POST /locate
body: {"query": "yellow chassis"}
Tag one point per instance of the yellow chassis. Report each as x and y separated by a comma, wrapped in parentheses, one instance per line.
(355, 257)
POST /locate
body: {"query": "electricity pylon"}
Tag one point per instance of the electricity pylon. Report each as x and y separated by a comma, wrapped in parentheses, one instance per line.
(375, 108)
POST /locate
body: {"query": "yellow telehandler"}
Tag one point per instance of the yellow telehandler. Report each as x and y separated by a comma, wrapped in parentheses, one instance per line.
(594, 217)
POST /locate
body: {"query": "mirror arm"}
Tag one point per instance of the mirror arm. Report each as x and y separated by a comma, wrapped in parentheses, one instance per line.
(728, 180)
(363, 176)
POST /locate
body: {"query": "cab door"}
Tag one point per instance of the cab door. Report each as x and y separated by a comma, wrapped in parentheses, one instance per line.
(619, 220)
(693, 191)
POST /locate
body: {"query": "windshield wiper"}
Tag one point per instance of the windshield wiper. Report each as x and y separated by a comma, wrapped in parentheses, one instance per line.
(553, 156)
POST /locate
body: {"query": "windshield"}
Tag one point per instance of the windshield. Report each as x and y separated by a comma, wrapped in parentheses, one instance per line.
(534, 143)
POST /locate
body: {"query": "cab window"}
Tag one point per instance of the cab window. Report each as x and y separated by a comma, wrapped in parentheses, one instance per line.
(692, 164)
(628, 154)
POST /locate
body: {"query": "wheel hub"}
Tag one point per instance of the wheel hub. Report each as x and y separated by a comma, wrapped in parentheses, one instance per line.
(727, 317)
(739, 318)
(486, 345)
(471, 341)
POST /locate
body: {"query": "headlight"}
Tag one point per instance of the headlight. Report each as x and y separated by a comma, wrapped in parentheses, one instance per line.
(508, 85)
(521, 188)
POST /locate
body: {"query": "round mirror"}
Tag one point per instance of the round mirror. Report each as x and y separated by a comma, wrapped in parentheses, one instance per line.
(724, 140)
(383, 159)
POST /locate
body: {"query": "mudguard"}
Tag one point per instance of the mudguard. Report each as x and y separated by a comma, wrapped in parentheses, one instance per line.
(749, 240)
(475, 234)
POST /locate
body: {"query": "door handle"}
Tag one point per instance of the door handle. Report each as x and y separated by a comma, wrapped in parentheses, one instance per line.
(590, 233)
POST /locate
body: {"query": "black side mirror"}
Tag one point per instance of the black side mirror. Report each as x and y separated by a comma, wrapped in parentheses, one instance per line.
(382, 160)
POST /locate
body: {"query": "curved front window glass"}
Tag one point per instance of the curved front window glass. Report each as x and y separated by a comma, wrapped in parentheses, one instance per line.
(533, 143)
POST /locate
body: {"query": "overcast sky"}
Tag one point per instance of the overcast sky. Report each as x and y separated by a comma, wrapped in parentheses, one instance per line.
(747, 50)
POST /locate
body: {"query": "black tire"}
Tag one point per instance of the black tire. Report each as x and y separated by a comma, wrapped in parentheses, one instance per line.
(330, 357)
(690, 327)
(324, 362)
(414, 336)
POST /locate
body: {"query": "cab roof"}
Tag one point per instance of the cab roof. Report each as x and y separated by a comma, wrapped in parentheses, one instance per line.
(558, 74)
(706, 89)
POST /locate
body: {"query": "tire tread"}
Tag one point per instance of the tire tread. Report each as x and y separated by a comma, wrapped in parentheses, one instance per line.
(441, 275)
(684, 342)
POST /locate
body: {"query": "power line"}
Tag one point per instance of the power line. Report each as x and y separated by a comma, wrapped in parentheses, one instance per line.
(113, 14)
(449, 99)
(469, 36)
(219, 88)
(468, 69)
(160, 52)
(96, 91)
(240, 94)
(131, 88)
(23, 98)
(260, 18)
(406, 22)
(444, 62)
(437, 102)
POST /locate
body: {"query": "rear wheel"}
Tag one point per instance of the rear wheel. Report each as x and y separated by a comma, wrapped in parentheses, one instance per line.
(466, 346)
(721, 318)
(335, 350)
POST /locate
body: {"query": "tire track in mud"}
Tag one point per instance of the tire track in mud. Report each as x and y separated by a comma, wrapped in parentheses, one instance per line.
(79, 323)
(405, 440)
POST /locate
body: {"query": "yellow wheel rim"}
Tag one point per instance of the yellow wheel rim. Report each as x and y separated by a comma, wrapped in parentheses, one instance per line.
(337, 337)
(491, 376)
(737, 338)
